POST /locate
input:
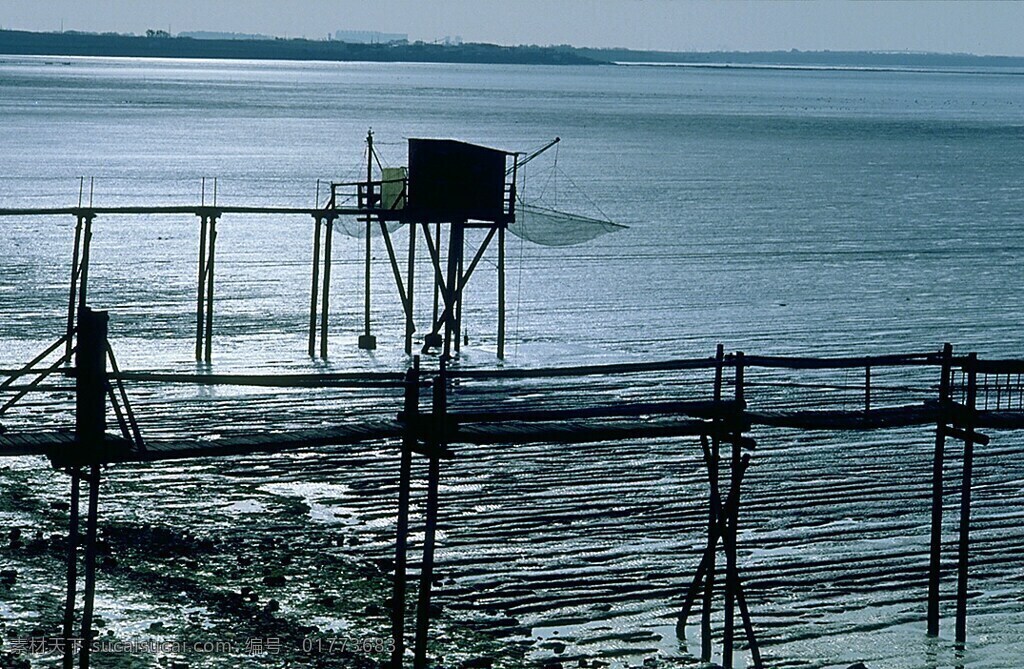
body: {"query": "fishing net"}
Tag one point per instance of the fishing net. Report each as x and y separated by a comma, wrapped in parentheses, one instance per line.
(549, 227)
(351, 226)
(393, 180)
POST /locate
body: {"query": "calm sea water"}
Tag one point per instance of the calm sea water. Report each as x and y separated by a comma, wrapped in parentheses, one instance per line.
(816, 212)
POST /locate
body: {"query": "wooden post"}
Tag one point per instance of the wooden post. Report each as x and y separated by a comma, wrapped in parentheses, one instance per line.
(437, 285)
(201, 289)
(438, 441)
(367, 341)
(501, 292)
(455, 239)
(73, 290)
(731, 584)
(963, 556)
(460, 291)
(313, 295)
(325, 304)
(935, 547)
(410, 325)
(90, 566)
(72, 567)
(83, 267)
(867, 389)
(410, 438)
(714, 511)
(209, 289)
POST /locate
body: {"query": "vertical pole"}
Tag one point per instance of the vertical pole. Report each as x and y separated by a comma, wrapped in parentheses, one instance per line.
(458, 306)
(963, 558)
(367, 341)
(731, 585)
(440, 417)
(410, 326)
(935, 547)
(366, 281)
(501, 292)
(452, 284)
(201, 289)
(83, 265)
(867, 389)
(437, 245)
(316, 281)
(90, 566)
(73, 291)
(714, 511)
(410, 438)
(90, 429)
(207, 354)
(72, 566)
(324, 311)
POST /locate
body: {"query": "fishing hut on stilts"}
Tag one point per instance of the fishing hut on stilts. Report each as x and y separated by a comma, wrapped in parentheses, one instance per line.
(450, 192)
(448, 188)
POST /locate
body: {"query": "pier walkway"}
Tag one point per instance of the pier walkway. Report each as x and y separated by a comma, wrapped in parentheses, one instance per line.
(721, 402)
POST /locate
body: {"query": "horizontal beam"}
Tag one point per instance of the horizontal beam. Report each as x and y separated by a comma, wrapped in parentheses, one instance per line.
(726, 410)
(386, 379)
(909, 359)
(395, 215)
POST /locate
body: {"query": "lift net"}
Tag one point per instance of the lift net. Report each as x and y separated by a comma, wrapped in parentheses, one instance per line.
(549, 227)
(350, 226)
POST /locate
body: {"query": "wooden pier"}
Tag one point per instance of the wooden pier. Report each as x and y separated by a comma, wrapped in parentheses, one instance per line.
(720, 405)
(470, 407)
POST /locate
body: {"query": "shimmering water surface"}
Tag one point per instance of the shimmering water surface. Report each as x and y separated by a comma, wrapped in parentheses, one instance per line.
(811, 212)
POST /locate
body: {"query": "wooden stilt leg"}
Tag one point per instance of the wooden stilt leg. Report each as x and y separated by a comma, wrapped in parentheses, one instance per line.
(410, 325)
(963, 554)
(83, 267)
(90, 566)
(730, 533)
(72, 567)
(935, 547)
(452, 284)
(440, 416)
(437, 284)
(410, 439)
(714, 511)
(73, 290)
(501, 293)
(458, 306)
(201, 289)
(367, 341)
(326, 292)
(208, 344)
(728, 634)
(694, 588)
(316, 286)
(427, 570)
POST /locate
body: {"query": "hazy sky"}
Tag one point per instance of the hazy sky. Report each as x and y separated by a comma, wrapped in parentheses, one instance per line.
(975, 27)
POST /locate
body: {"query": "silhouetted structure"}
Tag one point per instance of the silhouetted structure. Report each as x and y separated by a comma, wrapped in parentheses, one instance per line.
(960, 409)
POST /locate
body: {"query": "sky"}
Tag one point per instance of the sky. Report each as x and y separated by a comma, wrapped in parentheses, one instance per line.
(984, 28)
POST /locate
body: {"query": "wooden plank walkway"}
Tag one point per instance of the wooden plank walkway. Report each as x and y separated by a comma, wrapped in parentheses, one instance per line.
(199, 210)
(497, 430)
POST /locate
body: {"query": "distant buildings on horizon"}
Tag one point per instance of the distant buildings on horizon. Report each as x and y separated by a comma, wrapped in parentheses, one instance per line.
(370, 37)
(207, 34)
(350, 36)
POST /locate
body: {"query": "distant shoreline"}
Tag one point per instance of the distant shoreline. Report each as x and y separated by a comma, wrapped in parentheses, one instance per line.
(992, 70)
(22, 43)
(162, 45)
